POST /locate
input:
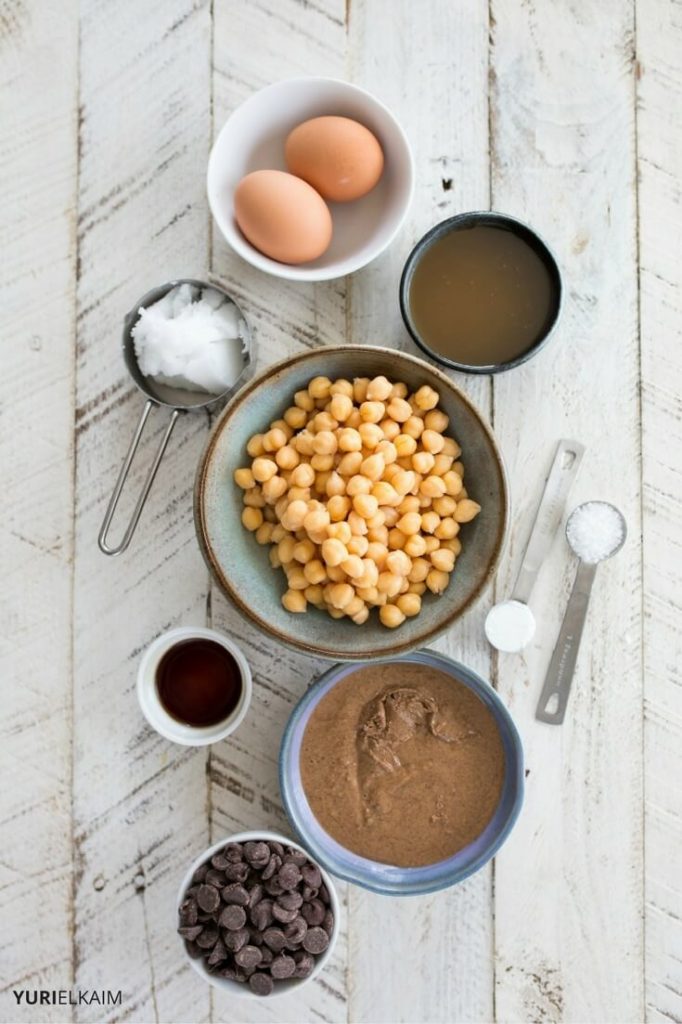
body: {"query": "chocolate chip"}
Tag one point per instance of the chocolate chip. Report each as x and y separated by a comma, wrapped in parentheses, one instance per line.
(219, 861)
(313, 912)
(274, 886)
(304, 964)
(255, 937)
(255, 894)
(215, 878)
(296, 856)
(295, 931)
(290, 900)
(236, 893)
(248, 956)
(233, 852)
(309, 893)
(234, 941)
(328, 923)
(311, 875)
(261, 915)
(267, 956)
(227, 972)
(218, 954)
(289, 875)
(193, 950)
(274, 938)
(188, 912)
(200, 873)
(282, 966)
(315, 940)
(208, 899)
(324, 894)
(260, 983)
(283, 915)
(257, 854)
(191, 932)
(237, 872)
(208, 937)
(272, 867)
(276, 847)
(233, 917)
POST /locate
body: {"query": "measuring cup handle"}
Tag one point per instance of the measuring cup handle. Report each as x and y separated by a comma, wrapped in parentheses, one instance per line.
(554, 697)
(122, 477)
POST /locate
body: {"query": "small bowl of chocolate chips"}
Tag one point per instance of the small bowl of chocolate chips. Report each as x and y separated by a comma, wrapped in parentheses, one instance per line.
(256, 915)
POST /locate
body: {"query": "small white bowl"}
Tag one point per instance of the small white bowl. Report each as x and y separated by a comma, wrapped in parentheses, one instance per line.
(236, 988)
(155, 713)
(253, 139)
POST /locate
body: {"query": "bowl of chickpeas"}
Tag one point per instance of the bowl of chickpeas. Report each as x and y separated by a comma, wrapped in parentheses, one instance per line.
(351, 502)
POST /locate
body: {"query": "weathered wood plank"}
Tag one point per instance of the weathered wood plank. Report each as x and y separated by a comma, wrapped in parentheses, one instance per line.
(139, 802)
(38, 58)
(428, 959)
(568, 929)
(659, 144)
(255, 44)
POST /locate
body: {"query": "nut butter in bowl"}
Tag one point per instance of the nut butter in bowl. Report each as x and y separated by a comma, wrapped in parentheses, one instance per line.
(404, 776)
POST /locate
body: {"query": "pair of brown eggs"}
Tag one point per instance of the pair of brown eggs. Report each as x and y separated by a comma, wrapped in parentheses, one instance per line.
(285, 214)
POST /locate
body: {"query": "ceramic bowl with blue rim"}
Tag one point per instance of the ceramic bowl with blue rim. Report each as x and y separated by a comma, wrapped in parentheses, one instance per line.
(387, 878)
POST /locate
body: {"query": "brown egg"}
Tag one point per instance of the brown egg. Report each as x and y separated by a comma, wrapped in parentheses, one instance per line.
(282, 216)
(338, 156)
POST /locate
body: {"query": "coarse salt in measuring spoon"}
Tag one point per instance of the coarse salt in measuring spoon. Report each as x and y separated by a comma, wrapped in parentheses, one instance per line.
(595, 530)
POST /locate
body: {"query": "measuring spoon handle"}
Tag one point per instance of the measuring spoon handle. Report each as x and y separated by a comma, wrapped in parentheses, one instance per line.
(554, 697)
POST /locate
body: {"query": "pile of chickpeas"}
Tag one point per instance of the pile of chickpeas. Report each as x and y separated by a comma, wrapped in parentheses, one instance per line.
(361, 495)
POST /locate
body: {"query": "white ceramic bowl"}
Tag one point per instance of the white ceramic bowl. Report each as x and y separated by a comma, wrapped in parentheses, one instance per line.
(155, 713)
(253, 139)
(236, 988)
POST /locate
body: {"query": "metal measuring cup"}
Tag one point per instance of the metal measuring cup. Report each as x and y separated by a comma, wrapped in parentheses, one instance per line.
(179, 400)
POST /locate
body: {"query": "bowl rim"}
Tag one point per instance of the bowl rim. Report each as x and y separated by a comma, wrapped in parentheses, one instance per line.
(454, 223)
(233, 595)
(298, 272)
(235, 987)
(458, 670)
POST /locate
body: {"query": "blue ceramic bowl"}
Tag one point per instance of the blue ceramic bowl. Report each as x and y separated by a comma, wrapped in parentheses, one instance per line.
(386, 878)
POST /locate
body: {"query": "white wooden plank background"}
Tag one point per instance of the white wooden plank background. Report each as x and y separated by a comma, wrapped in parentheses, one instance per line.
(565, 114)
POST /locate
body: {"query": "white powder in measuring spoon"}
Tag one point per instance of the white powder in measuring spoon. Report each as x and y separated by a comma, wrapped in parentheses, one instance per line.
(191, 338)
(595, 530)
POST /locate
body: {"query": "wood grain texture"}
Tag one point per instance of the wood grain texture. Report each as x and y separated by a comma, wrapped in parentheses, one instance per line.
(38, 57)
(659, 138)
(139, 801)
(433, 58)
(562, 142)
(254, 45)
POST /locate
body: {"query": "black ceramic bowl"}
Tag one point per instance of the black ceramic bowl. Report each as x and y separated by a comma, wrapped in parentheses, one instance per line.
(467, 220)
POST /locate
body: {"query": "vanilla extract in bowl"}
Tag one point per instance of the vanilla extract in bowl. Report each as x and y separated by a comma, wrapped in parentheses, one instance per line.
(480, 292)
(199, 682)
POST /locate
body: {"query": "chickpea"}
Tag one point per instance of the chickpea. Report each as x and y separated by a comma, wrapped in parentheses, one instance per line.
(349, 440)
(447, 529)
(334, 552)
(370, 575)
(396, 539)
(338, 507)
(298, 494)
(399, 390)
(372, 467)
(432, 543)
(354, 420)
(358, 525)
(388, 451)
(426, 398)
(403, 481)
(254, 498)
(414, 427)
(322, 463)
(419, 571)
(391, 616)
(287, 457)
(399, 563)
(368, 594)
(358, 484)
(372, 412)
(389, 583)
(296, 578)
(409, 603)
(342, 387)
(252, 518)
(358, 544)
(263, 469)
(366, 505)
(274, 440)
(410, 523)
(335, 613)
(325, 443)
(405, 445)
(319, 387)
(436, 420)
(454, 544)
(349, 464)
(341, 406)
(466, 510)
(353, 566)
(273, 489)
(453, 483)
(432, 487)
(304, 551)
(423, 462)
(340, 595)
(295, 417)
(377, 553)
(415, 546)
(443, 559)
(410, 503)
(378, 520)
(417, 588)
(335, 484)
(399, 410)
(371, 434)
(437, 581)
(303, 475)
(385, 493)
(458, 468)
(336, 574)
(296, 512)
(379, 389)
(444, 506)
(274, 558)
(340, 531)
(255, 446)
(432, 441)
(313, 595)
(314, 571)
(278, 533)
(390, 428)
(360, 385)
(354, 606)
(441, 464)
(304, 400)
(391, 515)
(294, 601)
(361, 616)
(264, 533)
(244, 478)
(452, 448)
(285, 549)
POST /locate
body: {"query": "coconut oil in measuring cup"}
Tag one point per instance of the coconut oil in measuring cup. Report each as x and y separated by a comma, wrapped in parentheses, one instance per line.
(187, 346)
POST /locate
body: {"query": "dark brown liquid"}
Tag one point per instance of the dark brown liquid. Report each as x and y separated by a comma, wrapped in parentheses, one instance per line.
(482, 295)
(199, 682)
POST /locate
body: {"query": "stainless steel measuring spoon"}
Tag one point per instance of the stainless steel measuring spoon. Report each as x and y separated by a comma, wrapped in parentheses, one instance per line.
(554, 697)
(178, 400)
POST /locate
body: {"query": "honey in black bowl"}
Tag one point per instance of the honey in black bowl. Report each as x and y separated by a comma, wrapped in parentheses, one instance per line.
(199, 682)
(480, 291)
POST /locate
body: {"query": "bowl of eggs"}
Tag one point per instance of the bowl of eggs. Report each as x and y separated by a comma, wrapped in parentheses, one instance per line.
(351, 502)
(310, 179)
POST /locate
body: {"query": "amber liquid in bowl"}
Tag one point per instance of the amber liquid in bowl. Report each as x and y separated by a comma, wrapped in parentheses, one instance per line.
(199, 682)
(482, 295)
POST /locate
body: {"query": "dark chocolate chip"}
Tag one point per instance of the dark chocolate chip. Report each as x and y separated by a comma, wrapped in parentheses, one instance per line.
(255, 894)
(215, 878)
(315, 940)
(304, 964)
(191, 932)
(218, 954)
(236, 893)
(309, 893)
(295, 931)
(274, 887)
(208, 899)
(274, 938)
(219, 861)
(188, 912)
(289, 875)
(234, 941)
(261, 915)
(233, 918)
(233, 852)
(200, 874)
(261, 983)
(290, 900)
(208, 937)
(257, 854)
(193, 950)
(276, 848)
(328, 923)
(282, 967)
(296, 856)
(313, 912)
(237, 872)
(311, 875)
(248, 957)
(324, 894)
(255, 937)
(228, 972)
(273, 865)
(283, 915)
(267, 956)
